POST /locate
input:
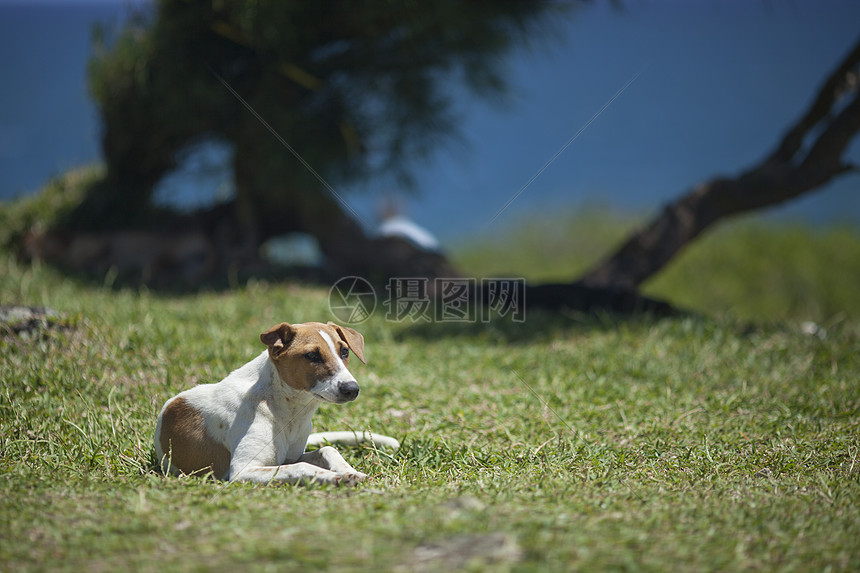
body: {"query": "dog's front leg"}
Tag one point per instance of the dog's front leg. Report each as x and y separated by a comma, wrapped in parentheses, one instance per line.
(300, 472)
(330, 459)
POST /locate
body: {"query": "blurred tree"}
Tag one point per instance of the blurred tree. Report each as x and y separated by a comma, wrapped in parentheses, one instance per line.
(362, 88)
(358, 88)
(810, 154)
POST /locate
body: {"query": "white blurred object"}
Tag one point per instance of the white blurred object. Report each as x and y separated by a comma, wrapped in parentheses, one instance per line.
(293, 249)
(404, 228)
(811, 329)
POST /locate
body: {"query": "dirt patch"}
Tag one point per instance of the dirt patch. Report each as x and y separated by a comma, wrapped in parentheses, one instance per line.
(495, 550)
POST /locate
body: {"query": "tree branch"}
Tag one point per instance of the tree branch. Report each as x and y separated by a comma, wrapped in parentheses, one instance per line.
(835, 85)
(785, 174)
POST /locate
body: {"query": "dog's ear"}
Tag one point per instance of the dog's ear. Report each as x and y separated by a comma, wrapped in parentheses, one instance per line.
(353, 339)
(277, 338)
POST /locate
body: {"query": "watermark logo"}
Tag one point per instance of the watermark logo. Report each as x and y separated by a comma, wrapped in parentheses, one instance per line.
(352, 300)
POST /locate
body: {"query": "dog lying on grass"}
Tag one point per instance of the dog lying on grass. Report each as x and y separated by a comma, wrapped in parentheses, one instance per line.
(255, 424)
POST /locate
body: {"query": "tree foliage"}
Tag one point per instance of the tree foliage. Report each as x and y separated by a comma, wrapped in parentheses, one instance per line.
(357, 88)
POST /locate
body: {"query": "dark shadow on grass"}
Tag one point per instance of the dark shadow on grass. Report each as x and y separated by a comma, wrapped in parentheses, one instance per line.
(232, 279)
(549, 310)
(542, 321)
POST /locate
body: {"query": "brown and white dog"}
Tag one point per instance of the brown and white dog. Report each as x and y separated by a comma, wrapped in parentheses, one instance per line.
(255, 424)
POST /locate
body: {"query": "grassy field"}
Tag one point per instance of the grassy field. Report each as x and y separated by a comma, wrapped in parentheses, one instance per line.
(725, 442)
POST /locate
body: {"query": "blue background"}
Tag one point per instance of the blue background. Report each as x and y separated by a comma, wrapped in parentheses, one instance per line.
(718, 83)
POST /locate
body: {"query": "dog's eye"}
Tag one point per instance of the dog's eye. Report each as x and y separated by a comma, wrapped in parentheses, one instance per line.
(344, 352)
(313, 356)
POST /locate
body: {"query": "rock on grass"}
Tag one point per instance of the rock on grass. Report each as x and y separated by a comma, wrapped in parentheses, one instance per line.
(29, 321)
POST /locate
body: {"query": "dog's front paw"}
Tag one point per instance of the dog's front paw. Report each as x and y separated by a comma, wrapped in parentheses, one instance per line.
(350, 479)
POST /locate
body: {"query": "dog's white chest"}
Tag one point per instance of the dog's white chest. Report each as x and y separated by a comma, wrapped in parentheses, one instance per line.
(290, 442)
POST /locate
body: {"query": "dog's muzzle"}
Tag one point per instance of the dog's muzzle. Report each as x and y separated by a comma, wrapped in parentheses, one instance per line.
(348, 390)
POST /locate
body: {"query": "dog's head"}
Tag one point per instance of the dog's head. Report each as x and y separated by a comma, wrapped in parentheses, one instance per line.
(313, 357)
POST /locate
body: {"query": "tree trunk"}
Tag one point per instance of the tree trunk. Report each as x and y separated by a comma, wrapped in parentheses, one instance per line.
(263, 211)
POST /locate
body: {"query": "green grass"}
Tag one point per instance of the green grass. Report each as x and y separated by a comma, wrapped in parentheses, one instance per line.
(743, 268)
(728, 442)
(52, 205)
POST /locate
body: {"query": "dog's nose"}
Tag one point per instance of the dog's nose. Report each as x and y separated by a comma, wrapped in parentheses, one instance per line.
(348, 389)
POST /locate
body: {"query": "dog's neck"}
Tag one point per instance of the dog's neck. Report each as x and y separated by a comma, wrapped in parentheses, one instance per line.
(287, 402)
